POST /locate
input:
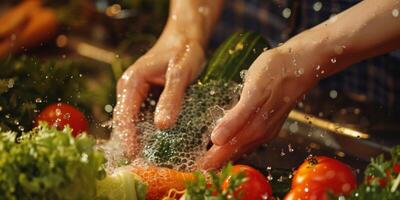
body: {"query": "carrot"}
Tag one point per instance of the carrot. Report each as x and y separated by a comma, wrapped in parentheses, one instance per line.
(26, 25)
(161, 180)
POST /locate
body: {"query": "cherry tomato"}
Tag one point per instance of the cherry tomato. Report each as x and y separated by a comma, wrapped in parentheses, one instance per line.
(255, 187)
(396, 168)
(318, 175)
(61, 114)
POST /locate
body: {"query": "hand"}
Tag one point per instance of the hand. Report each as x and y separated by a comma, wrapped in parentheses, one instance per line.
(26, 25)
(175, 61)
(272, 86)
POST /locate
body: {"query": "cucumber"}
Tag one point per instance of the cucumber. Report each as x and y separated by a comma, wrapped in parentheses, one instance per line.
(237, 53)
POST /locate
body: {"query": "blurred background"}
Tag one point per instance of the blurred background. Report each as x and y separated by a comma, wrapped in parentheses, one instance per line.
(77, 52)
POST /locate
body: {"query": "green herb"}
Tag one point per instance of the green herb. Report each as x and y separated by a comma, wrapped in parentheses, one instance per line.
(382, 179)
(203, 189)
(46, 163)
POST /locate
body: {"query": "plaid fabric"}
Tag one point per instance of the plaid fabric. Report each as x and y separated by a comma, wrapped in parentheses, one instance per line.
(373, 80)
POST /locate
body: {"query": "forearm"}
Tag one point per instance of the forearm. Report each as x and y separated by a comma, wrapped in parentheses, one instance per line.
(193, 18)
(365, 30)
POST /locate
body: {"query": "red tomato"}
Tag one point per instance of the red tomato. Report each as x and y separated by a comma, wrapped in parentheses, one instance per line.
(255, 187)
(304, 192)
(61, 114)
(319, 175)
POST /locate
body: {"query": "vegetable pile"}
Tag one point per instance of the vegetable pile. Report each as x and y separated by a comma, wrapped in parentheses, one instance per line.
(381, 180)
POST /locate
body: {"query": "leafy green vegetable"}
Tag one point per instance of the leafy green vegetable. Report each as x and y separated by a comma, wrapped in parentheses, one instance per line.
(382, 179)
(200, 189)
(46, 163)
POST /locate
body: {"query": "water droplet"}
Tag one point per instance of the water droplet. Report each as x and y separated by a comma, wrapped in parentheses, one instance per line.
(299, 72)
(16, 122)
(212, 92)
(108, 108)
(67, 115)
(58, 112)
(265, 115)
(38, 100)
(286, 13)
(395, 12)
(243, 75)
(294, 127)
(317, 6)
(11, 83)
(333, 60)
(283, 153)
(1, 108)
(333, 94)
(290, 148)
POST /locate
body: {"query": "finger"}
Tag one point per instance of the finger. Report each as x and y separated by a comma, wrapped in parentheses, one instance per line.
(217, 156)
(182, 69)
(252, 98)
(130, 95)
(254, 134)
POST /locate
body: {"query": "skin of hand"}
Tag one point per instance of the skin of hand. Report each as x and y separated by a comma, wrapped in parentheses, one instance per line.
(174, 61)
(26, 25)
(281, 76)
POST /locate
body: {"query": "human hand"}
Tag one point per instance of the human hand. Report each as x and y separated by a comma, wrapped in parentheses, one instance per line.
(273, 84)
(25, 26)
(175, 61)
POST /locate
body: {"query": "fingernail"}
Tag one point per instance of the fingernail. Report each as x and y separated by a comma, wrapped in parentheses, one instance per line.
(162, 118)
(220, 135)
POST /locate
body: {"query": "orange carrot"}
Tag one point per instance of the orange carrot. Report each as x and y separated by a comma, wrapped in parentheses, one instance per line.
(161, 180)
(26, 25)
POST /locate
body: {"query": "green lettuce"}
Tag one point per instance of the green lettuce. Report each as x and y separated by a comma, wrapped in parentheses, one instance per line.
(47, 163)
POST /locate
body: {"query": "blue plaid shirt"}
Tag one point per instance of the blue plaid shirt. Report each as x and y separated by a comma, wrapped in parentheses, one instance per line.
(376, 80)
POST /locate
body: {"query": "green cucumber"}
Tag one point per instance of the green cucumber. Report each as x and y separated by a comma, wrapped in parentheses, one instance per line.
(237, 53)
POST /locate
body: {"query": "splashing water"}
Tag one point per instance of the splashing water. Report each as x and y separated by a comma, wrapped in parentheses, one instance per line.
(180, 146)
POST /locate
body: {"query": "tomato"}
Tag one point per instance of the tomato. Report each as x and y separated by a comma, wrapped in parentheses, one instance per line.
(396, 168)
(256, 185)
(318, 175)
(61, 114)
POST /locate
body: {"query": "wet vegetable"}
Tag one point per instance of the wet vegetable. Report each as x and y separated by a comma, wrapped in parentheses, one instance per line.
(215, 187)
(254, 187)
(319, 175)
(180, 145)
(61, 114)
(48, 164)
(381, 179)
(161, 180)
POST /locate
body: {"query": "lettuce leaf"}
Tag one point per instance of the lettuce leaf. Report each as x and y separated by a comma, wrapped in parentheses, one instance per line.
(47, 163)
